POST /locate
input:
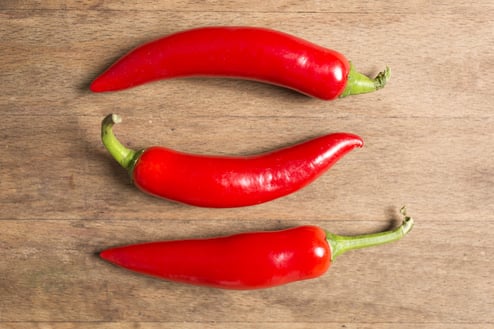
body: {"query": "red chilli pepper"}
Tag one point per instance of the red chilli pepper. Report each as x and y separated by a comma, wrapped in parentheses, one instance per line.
(241, 52)
(252, 260)
(214, 181)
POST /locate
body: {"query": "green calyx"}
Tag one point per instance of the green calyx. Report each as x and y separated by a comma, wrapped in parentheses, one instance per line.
(357, 83)
(341, 244)
(124, 156)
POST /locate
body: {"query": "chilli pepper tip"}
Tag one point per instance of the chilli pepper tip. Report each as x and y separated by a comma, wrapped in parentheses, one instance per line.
(99, 85)
(108, 255)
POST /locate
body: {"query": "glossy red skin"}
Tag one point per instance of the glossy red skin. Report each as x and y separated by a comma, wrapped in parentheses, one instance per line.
(243, 261)
(221, 182)
(238, 52)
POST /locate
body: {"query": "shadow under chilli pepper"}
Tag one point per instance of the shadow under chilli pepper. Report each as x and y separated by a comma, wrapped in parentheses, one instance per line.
(251, 260)
(252, 53)
(227, 181)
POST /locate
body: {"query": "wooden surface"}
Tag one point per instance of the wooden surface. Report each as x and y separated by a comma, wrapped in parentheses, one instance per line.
(428, 145)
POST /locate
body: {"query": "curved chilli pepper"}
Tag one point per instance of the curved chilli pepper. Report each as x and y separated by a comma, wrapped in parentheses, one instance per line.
(249, 260)
(241, 52)
(223, 181)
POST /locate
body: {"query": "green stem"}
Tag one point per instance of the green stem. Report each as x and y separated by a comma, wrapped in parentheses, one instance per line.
(125, 156)
(357, 83)
(341, 244)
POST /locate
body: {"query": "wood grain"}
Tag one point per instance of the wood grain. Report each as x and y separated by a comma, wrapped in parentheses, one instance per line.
(428, 144)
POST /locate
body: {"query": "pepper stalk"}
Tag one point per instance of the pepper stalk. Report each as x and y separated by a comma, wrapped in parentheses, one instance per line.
(125, 157)
(341, 244)
(358, 83)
